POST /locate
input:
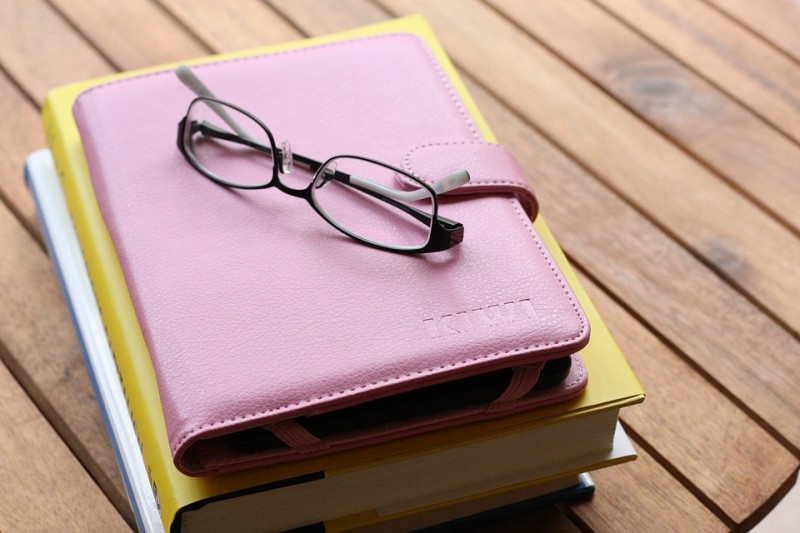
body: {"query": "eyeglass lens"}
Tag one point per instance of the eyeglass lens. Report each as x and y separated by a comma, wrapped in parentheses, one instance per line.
(236, 151)
(361, 197)
(373, 206)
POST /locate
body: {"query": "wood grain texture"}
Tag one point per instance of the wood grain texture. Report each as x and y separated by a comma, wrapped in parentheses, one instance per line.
(722, 134)
(315, 17)
(39, 347)
(735, 60)
(41, 50)
(117, 29)
(684, 302)
(642, 496)
(703, 437)
(45, 486)
(672, 188)
(20, 134)
(776, 21)
(231, 25)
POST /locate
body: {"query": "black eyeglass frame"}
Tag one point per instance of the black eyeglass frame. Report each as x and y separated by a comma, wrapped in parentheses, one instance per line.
(444, 233)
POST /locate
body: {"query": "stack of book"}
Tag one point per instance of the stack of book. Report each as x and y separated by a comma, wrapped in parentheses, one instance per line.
(258, 373)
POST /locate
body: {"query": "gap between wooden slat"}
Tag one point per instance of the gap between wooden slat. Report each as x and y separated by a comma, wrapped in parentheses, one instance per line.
(777, 145)
(113, 29)
(698, 432)
(701, 72)
(38, 345)
(46, 486)
(743, 14)
(741, 287)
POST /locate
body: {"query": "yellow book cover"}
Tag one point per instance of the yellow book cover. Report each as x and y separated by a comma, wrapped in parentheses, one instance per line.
(611, 384)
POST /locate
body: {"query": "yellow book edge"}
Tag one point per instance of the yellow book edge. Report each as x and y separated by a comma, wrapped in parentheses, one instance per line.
(611, 383)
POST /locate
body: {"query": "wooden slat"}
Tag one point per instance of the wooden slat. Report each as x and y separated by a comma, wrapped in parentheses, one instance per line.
(702, 435)
(41, 350)
(716, 222)
(318, 18)
(44, 486)
(735, 60)
(41, 51)
(117, 28)
(685, 432)
(729, 138)
(231, 25)
(20, 135)
(776, 21)
(48, 490)
(667, 287)
(642, 496)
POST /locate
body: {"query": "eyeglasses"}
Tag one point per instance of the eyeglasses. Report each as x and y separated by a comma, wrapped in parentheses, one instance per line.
(363, 198)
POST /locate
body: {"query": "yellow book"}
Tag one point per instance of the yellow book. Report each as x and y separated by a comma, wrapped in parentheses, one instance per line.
(611, 385)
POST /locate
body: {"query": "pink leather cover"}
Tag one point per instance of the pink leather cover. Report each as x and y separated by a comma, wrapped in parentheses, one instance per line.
(255, 311)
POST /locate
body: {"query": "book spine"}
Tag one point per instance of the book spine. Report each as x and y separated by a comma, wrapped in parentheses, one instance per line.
(126, 342)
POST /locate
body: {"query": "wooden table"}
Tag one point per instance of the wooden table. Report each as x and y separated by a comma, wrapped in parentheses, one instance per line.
(663, 140)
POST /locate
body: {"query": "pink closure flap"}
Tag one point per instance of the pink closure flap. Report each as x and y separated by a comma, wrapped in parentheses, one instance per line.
(492, 169)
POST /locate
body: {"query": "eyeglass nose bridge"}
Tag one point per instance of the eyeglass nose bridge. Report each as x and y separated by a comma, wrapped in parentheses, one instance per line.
(286, 157)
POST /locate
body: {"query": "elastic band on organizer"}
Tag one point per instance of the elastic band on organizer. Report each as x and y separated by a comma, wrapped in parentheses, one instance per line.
(296, 436)
(522, 381)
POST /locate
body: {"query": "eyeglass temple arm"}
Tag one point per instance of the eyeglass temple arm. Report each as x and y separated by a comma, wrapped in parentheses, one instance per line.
(199, 88)
(422, 216)
(440, 186)
(196, 85)
(391, 196)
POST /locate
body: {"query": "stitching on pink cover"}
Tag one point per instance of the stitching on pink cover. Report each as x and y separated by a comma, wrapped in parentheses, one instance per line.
(448, 86)
(471, 125)
(515, 203)
(338, 444)
(410, 168)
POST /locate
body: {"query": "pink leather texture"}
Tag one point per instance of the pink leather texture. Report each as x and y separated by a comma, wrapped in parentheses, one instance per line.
(492, 169)
(256, 311)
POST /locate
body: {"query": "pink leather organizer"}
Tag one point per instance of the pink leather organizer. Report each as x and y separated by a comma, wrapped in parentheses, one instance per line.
(273, 336)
